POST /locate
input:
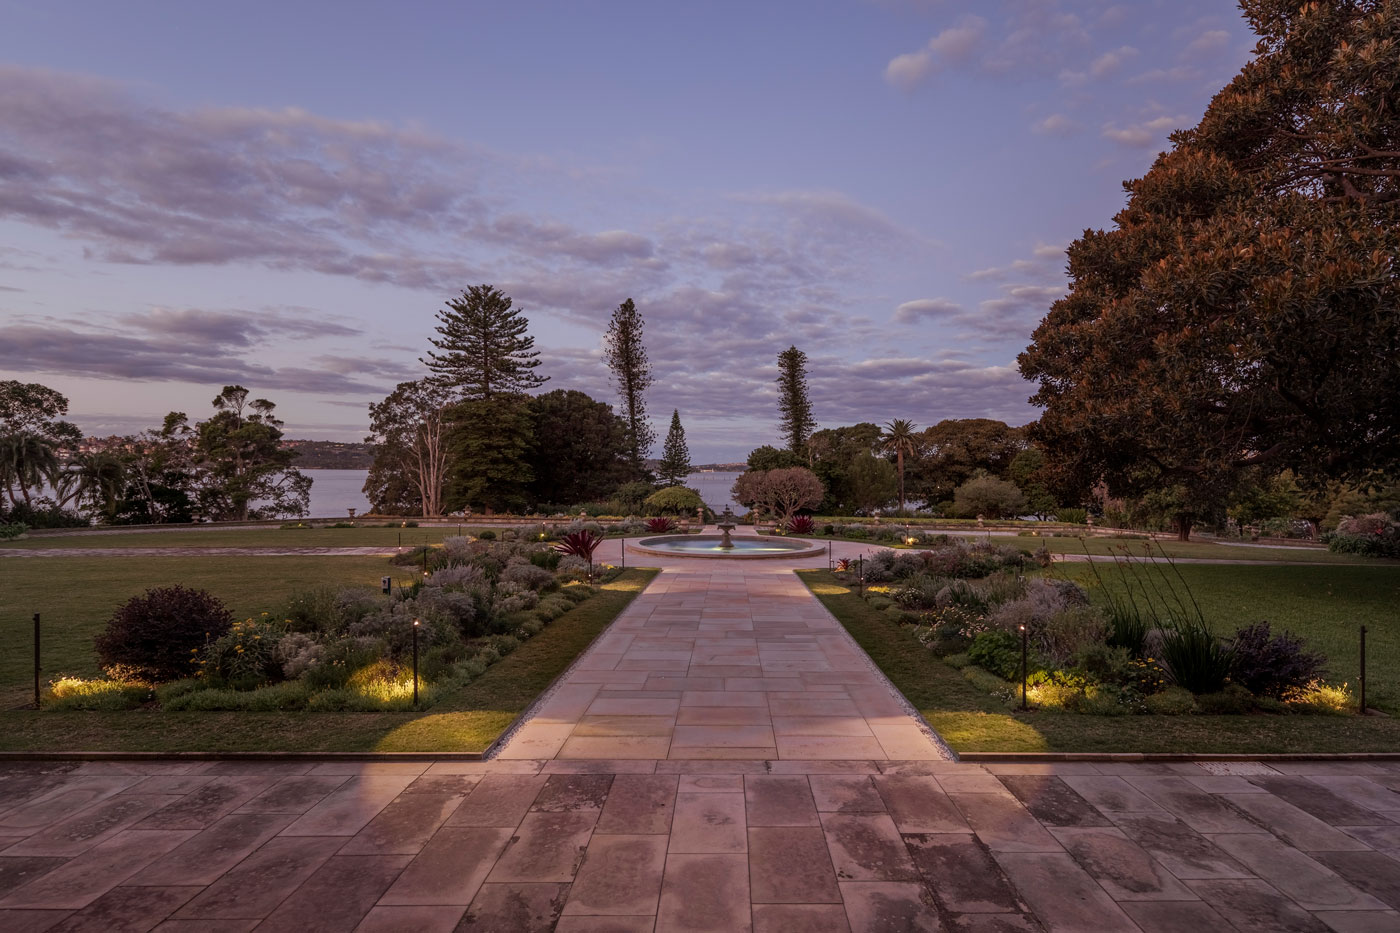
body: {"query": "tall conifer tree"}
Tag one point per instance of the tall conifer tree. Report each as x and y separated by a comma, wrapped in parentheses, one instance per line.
(631, 372)
(794, 406)
(485, 350)
(675, 456)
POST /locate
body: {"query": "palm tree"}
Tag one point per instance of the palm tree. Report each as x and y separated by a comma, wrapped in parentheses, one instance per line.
(899, 439)
(95, 477)
(27, 459)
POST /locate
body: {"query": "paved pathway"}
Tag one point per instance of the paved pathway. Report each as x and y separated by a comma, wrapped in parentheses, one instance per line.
(725, 659)
(676, 845)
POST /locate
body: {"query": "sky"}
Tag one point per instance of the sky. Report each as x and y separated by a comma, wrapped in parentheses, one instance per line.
(283, 195)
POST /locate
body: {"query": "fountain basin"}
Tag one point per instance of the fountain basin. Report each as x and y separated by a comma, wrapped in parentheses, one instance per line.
(745, 547)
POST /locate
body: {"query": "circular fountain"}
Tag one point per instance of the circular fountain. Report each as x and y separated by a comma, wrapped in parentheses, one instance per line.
(725, 546)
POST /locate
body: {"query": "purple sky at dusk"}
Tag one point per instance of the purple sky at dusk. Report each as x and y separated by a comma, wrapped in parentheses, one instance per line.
(283, 194)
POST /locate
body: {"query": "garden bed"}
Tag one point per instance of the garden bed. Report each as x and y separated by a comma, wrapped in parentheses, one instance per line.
(467, 720)
(978, 714)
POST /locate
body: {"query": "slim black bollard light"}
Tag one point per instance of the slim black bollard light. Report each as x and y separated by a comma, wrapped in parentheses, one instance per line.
(1363, 661)
(36, 660)
(415, 662)
(1025, 655)
(830, 564)
(624, 554)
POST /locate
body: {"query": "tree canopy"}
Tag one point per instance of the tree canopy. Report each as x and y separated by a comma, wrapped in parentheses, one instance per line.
(580, 451)
(626, 355)
(1244, 309)
(485, 350)
(794, 405)
(675, 454)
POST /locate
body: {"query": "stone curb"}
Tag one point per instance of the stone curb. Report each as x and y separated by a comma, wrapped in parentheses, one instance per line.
(239, 756)
(1032, 757)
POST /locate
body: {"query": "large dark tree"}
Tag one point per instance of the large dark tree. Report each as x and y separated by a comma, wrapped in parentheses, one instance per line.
(631, 373)
(1244, 311)
(794, 405)
(408, 429)
(675, 454)
(243, 471)
(951, 451)
(33, 438)
(490, 443)
(485, 350)
(581, 450)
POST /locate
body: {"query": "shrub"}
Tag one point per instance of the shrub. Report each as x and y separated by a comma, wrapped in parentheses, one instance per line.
(77, 693)
(340, 659)
(580, 544)
(1072, 516)
(158, 635)
(245, 657)
(11, 531)
(487, 535)
(460, 577)
(1127, 628)
(660, 526)
(1232, 700)
(548, 558)
(1173, 701)
(529, 576)
(1194, 658)
(285, 696)
(1372, 535)
(998, 652)
(1068, 632)
(1272, 665)
(674, 500)
(801, 525)
(1318, 697)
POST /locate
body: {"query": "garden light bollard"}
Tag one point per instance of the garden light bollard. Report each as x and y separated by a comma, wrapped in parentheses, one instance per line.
(415, 662)
(1025, 656)
(624, 553)
(1363, 664)
(36, 660)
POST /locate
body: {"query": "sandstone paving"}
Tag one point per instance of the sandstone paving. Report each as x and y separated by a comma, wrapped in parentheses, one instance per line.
(718, 844)
(749, 789)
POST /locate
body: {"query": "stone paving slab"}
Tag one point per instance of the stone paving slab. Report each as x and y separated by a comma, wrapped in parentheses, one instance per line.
(698, 844)
(722, 660)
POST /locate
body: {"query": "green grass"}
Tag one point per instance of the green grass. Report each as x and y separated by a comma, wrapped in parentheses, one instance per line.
(176, 536)
(970, 720)
(467, 721)
(76, 595)
(1104, 547)
(1325, 605)
(265, 537)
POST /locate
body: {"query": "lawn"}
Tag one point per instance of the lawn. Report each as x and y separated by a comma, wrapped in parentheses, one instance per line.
(468, 721)
(252, 536)
(1107, 546)
(1310, 600)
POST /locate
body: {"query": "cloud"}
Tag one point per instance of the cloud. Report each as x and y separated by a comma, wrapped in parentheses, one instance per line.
(912, 312)
(953, 45)
(1104, 66)
(1207, 44)
(1141, 135)
(1057, 124)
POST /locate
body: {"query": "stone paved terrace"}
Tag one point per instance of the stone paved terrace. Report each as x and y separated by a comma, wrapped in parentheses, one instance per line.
(677, 844)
